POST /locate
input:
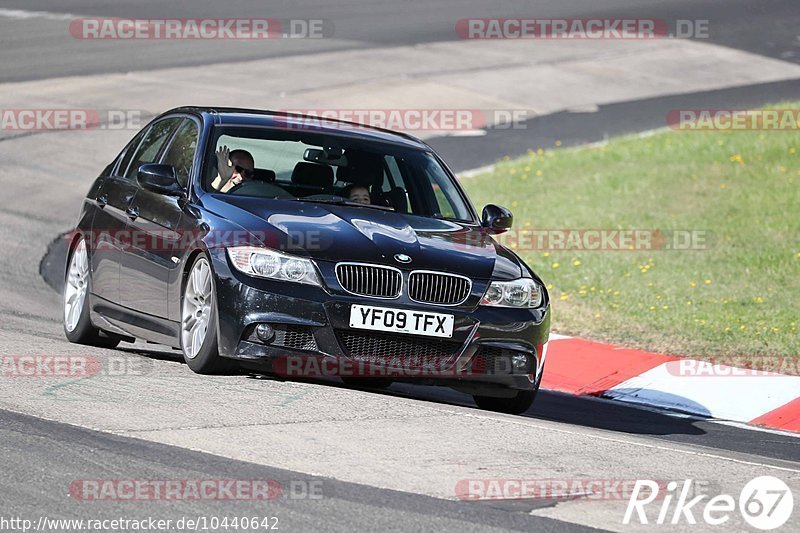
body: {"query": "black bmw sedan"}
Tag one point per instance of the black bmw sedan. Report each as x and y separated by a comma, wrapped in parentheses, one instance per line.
(307, 248)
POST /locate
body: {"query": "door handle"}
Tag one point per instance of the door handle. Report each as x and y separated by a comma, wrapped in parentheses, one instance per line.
(102, 201)
(133, 212)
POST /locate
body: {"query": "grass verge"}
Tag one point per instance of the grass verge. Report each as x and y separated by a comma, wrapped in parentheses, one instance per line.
(736, 295)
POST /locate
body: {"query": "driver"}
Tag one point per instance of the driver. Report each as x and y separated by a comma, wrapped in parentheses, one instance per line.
(233, 167)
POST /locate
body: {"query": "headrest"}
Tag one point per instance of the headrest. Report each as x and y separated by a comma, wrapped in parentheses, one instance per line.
(263, 174)
(362, 169)
(312, 174)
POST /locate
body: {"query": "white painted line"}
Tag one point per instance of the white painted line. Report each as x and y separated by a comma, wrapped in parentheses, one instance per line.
(22, 14)
(511, 419)
(557, 337)
(731, 397)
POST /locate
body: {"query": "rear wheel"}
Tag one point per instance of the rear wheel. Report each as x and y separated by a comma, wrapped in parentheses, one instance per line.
(77, 287)
(515, 405)
(199, 321)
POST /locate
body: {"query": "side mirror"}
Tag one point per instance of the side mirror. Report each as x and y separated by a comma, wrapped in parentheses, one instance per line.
(160, 179)
(497, 218)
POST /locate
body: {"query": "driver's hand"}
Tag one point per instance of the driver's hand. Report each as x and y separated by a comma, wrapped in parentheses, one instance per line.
(231, 183)
(225, 171)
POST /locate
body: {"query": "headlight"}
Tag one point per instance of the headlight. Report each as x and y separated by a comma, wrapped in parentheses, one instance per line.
(523, 292)
(266, 263)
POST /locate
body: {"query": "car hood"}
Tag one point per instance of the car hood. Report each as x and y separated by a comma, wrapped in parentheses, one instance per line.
(328, 232)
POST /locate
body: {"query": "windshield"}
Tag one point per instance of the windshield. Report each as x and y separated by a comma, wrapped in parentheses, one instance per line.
(270, 164)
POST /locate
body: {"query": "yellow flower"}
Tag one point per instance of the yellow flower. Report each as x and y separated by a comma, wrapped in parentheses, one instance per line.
(564, 297)
(792, 150)
(538, 173)
(540, 151)
(708, 282)
(693, 284)
(737, 158)
(558, 143)
(576, 263)
(555, 265)
(546, 254)
(688, 302)
(664, 307)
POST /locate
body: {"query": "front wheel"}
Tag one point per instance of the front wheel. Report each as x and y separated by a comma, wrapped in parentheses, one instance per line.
(199, 321)
(515, 405)
(77, 287)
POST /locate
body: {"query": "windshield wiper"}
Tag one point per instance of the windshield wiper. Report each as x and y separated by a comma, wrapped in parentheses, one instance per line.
(333, 201)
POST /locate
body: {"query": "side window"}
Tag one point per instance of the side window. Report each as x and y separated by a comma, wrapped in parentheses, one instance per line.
(394, 178)
(180, 153)
(449, 203)
(151, 145)
(129, 151)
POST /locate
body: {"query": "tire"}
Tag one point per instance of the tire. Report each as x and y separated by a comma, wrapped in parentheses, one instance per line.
(513, 406)
(199, 321)
(368, 383)
(76, 321)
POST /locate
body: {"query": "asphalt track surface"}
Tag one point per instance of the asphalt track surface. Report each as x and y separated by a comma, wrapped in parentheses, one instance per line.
(767, 27)
(384, 458)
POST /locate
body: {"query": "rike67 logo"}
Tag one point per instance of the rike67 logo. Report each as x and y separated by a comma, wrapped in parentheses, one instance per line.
(765, 503)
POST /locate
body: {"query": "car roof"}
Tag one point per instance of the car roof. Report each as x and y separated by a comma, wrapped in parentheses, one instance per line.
(231, 116)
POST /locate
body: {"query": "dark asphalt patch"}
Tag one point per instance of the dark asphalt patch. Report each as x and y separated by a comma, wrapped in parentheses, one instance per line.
(612, 120)
(53, 265)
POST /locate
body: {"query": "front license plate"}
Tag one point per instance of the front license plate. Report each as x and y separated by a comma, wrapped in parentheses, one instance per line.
(401, 321)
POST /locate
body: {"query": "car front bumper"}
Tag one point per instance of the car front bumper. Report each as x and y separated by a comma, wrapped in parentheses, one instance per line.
(313, 337)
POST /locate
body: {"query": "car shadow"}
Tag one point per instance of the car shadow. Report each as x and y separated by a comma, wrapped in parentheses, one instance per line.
(587, 411)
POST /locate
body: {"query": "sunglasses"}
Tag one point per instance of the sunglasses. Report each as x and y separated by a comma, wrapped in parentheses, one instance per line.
(248, 172)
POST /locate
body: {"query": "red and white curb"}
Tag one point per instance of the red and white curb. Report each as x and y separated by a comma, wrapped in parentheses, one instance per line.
(582, 367)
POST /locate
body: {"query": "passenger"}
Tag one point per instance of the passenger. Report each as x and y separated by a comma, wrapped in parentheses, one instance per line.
(358, 194)
(233, 167)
